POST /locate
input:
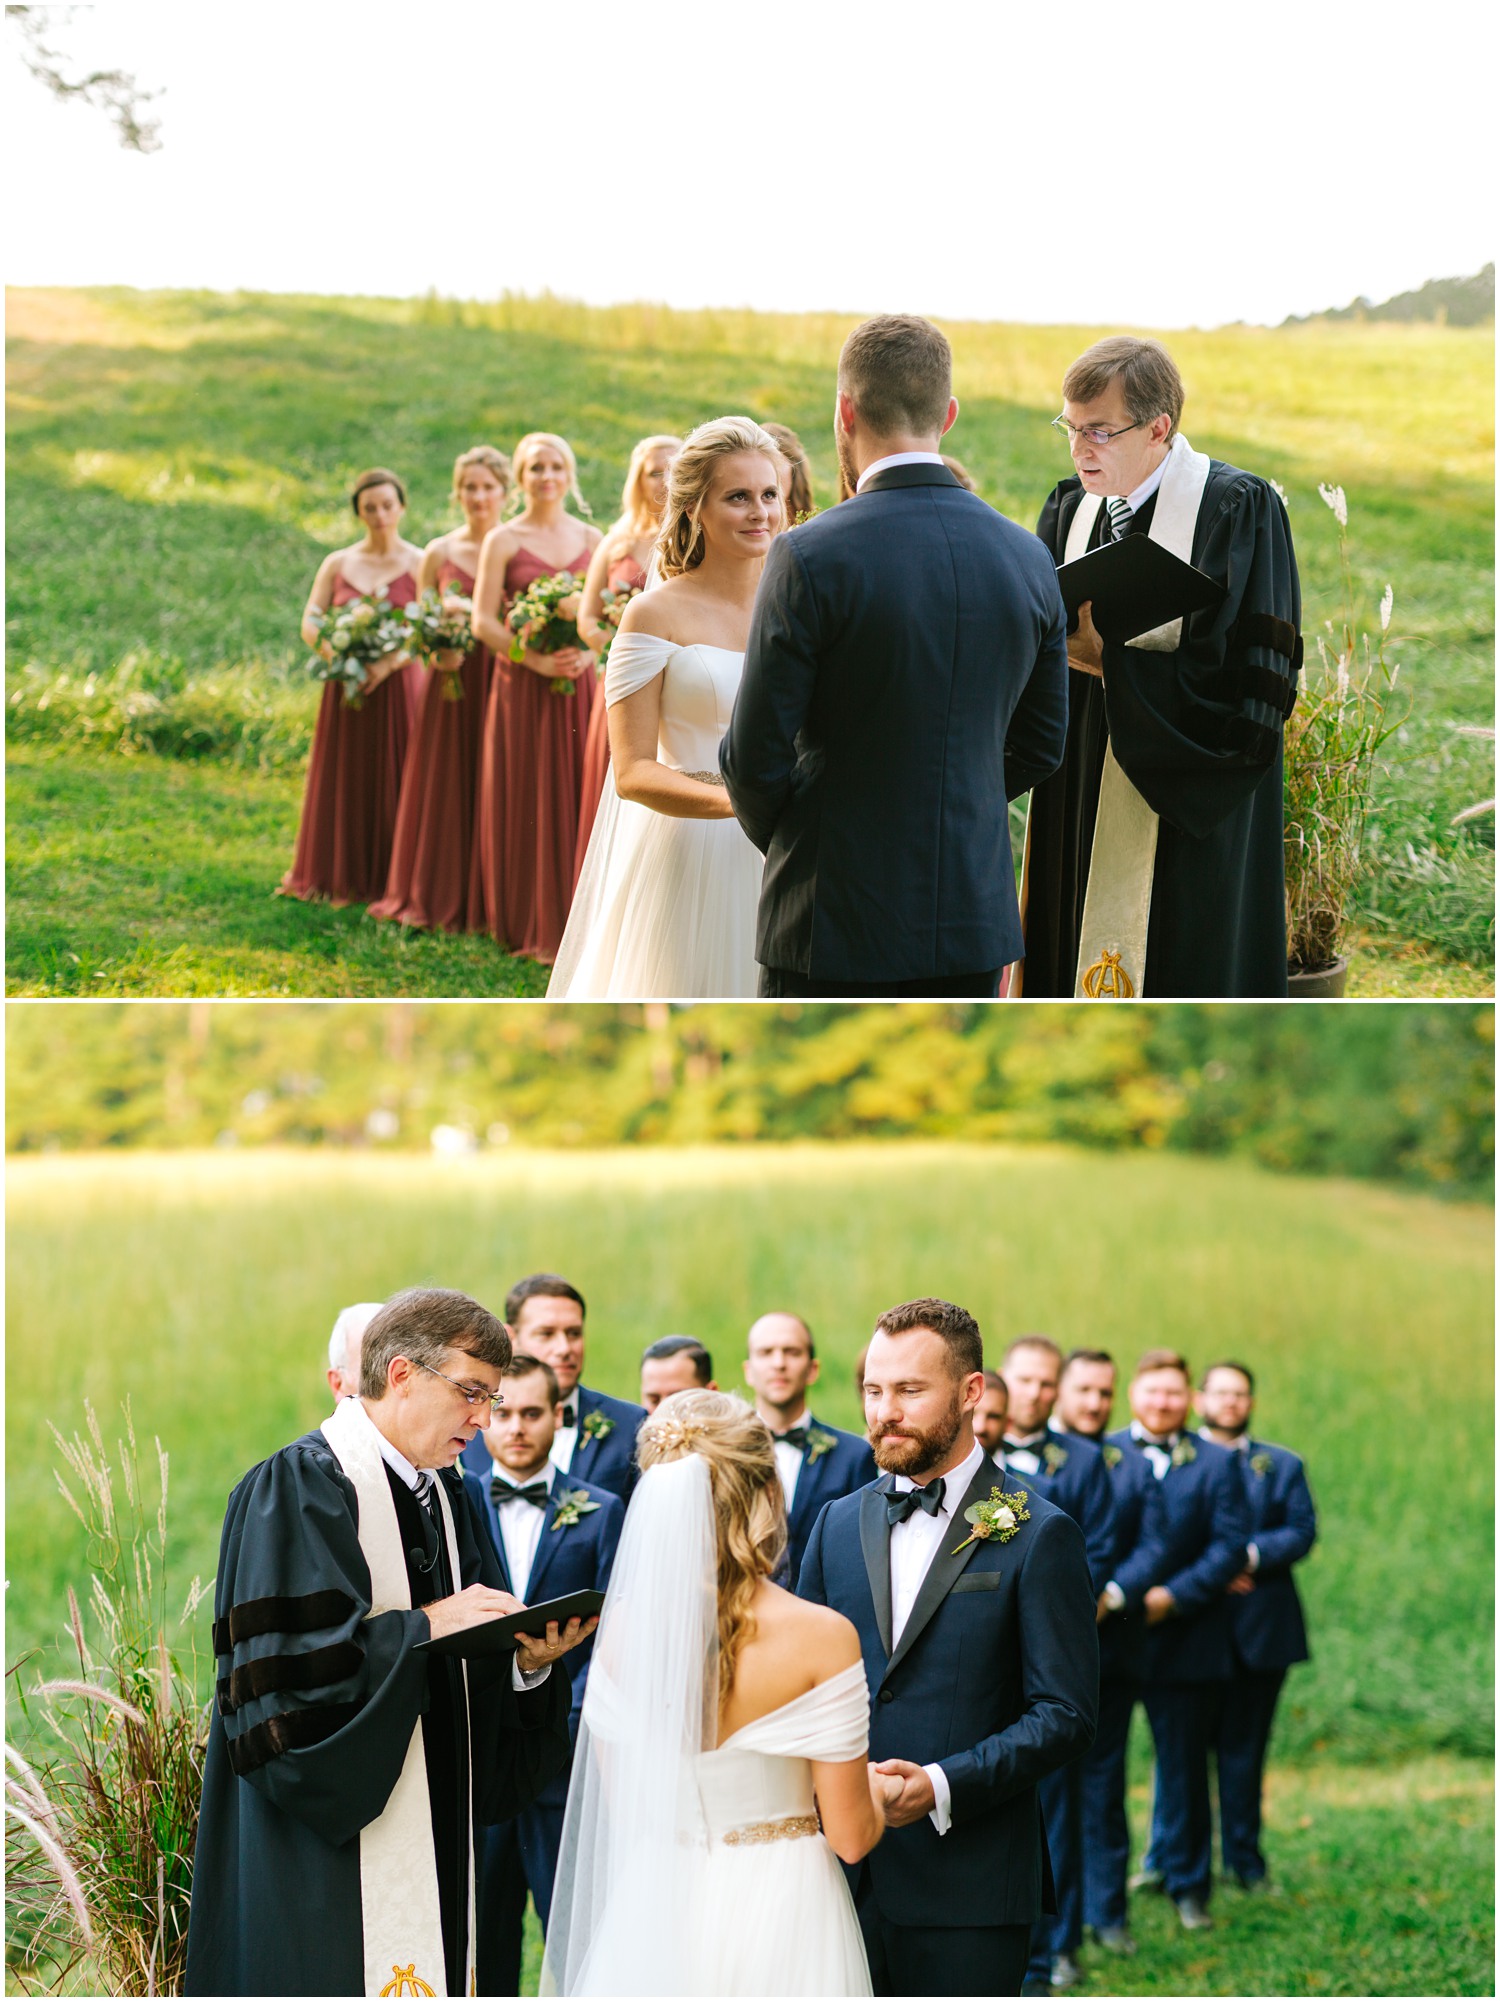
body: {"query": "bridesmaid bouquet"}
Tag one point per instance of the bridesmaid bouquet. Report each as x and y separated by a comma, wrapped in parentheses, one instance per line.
(611, 611)
(441, 635)
(544, 618)
(359, 633)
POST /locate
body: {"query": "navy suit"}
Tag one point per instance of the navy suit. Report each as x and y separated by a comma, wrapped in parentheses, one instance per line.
(522, 1852)
(600, 1462)
(1269, 1635)
(846, 1465)
(995, 1678)
(1072, 1476)
(1188, 1657)
(906, 674)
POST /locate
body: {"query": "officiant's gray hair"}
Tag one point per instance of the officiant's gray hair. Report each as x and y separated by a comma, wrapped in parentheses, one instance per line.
(679, 547)
(897, 371)
(1146, 373)
(420, 1324)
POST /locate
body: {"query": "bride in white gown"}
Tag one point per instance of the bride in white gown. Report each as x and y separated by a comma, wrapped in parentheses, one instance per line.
(665, 904)
(724, 1719)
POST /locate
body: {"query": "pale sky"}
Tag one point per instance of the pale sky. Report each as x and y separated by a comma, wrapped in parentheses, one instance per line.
(1149, 164)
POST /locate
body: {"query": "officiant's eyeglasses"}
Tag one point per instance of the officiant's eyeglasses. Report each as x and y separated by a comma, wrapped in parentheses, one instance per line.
(1095, 434)
(471, 1393)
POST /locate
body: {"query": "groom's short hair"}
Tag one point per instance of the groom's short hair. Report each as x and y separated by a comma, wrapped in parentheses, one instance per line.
(897, 371)
(958, 1331)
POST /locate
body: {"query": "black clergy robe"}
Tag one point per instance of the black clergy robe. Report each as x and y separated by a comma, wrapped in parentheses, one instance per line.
(1198, 734)
(314, 1711)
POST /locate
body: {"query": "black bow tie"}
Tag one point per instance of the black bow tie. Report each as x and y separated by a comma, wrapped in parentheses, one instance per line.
(796, 1437)
(534, 1491)
(1026, 1445)
(567, 1416)
(930, 1499)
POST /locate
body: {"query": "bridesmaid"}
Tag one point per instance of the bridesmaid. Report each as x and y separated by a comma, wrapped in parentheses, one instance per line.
(796, 480)
(531, 762)
(619, 564)
(430, 855)
(354, 775)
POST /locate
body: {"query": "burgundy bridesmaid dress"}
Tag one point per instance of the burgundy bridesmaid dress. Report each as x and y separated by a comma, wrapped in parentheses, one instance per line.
(624, 574)
(530, 777)
(344, 839)
(431, 853)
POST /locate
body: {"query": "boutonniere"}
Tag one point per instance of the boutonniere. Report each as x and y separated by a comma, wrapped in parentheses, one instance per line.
(597, 1426)
(818, 1443)
(1112, 1456)
(1184, 1453)
(1261, 1463)
(1054, 1456)
(1000, 1517)
(571, 1505)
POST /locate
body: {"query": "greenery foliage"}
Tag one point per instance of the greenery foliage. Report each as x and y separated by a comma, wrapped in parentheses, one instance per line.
(1402, 1093)
(177, 464)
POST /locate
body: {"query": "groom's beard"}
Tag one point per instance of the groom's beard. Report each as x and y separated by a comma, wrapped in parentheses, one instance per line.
(905, 1450)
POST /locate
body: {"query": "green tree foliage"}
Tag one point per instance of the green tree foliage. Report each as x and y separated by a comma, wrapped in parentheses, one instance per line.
(1390, 1092)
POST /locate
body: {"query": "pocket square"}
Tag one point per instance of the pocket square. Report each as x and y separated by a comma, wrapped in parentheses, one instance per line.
(978, 1581)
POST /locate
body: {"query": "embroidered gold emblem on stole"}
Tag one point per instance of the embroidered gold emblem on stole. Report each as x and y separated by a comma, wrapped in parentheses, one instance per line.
(406, 1981)
(1107, 980)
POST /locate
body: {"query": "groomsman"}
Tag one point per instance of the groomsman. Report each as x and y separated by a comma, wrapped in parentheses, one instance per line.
(553, 1535)
(676, 1362)
(981, 1659)
(1187, 1658)
(1266, 1625)
(1085, 1395)
(990, 1414)
(816, 1462)
(595, 1434)
(344, 1347)
(1071, 1473)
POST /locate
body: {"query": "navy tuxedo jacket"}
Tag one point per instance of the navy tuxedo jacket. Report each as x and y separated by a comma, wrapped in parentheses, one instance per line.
(1138, 1527)
(906, 674)
(848, 1464)
(1266, 1625)
(578, 1558)
(1073, 1477)
(1207, 1524)
(995, 1678)
(607, 1462)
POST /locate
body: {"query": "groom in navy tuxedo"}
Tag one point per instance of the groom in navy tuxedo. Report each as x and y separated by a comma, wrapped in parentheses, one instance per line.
(979, 1644)
(906, 674)
(595, 1434)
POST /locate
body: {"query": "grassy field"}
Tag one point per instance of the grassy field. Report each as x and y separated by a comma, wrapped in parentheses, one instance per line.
(175, 467)
(202, 1288)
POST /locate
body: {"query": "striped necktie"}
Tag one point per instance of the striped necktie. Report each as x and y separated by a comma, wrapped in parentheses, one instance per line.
(1121, 514)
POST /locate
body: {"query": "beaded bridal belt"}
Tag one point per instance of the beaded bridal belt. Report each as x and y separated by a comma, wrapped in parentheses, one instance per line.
(706, 779)
(773, 1831)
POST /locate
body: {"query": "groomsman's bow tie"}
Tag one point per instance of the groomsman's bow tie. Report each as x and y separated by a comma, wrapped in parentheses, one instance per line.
(567, 1415)
(929, 1499)
(797, 1437)
(1034, 1446)
(534, 1491)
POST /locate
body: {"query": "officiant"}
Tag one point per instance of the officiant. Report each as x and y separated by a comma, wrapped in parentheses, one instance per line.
(1154, 854)
(346, 1766)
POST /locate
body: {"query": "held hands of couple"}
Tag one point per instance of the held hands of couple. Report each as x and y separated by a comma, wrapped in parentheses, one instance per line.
(478, 1603)
(1085, 648)
(903, 1792)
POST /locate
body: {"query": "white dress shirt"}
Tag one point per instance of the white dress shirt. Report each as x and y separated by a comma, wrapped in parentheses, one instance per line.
(898, 459)
(1027, 1457)
(789, 1459)
(565, 1439)
(521, 1523)
(1158, 1451)
(914, 1544)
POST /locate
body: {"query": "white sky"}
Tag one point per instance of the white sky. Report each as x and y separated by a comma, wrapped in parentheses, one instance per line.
(1147, 164)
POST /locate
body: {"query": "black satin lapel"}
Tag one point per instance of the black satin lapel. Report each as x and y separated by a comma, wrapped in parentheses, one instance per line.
(875, 1542)
(949, 1562)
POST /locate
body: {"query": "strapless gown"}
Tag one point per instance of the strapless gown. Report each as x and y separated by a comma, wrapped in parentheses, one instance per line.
(767, 1909)
(626, 574)
(665, 908)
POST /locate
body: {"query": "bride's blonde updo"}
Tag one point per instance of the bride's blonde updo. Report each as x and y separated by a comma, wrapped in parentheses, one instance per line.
(749, 1512)
(679, 547)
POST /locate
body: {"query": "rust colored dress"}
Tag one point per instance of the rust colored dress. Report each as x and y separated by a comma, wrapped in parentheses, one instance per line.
(348, 821)
(530, 777)
(627, 575)
(432, 849)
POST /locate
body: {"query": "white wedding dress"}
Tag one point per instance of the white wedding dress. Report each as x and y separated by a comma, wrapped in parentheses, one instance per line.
(684, 1870)
(665, 907)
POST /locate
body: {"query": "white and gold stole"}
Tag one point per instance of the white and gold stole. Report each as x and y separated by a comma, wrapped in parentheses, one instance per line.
(398, 1885)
